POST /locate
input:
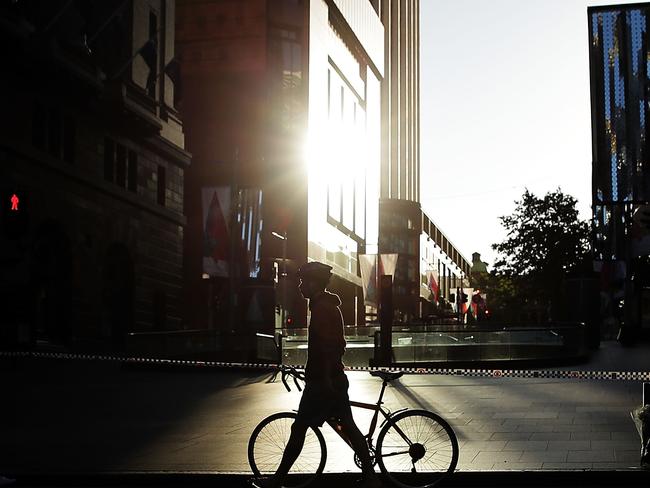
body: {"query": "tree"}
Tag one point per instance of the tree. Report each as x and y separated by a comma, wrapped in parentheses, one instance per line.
(545, 242)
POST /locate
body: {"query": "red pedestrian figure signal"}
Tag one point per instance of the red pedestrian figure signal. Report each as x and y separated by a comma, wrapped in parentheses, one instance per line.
(14, 202)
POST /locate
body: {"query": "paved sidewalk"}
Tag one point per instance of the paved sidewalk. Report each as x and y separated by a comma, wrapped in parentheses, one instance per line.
(584, 479)
(67, 417)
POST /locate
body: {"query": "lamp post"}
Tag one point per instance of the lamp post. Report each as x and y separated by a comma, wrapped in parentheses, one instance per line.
(283, 237)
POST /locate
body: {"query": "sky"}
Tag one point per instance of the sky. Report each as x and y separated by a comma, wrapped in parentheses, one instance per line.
(504, 106)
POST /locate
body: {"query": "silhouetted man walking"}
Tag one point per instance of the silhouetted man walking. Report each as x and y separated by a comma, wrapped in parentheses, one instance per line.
(326, 385)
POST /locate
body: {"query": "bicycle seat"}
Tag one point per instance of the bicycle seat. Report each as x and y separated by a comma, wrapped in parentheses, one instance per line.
(387, 375)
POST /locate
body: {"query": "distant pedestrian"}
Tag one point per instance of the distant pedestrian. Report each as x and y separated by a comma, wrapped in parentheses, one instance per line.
(326, 385)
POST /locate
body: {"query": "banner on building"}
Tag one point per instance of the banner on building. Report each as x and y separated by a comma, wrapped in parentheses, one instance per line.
(216, 210)
(478, 305)
(433, 284)
(387, 264)
(367, 263)
(372, 266)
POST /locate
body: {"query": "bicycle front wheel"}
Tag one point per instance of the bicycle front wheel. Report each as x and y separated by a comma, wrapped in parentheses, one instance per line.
(268, 442)
(417, 448)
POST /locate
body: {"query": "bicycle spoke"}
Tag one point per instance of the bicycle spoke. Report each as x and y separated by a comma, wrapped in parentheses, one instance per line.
(269, 444)
(417, 443)
(395, 453)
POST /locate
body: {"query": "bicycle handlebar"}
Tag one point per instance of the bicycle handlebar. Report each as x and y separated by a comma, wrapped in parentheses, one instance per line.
(291, 371)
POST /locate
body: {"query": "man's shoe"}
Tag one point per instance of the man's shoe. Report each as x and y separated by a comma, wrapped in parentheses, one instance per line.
(263, 483)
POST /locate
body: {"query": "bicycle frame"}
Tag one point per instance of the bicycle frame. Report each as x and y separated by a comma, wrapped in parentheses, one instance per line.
(377, 408)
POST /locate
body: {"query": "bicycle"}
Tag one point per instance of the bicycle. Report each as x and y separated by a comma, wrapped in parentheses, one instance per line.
(414, 449)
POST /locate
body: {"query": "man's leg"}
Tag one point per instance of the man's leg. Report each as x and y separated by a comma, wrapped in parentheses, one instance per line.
(360, 447)
(291, 453)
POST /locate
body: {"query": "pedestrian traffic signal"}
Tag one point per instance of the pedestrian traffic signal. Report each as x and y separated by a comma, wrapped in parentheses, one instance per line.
(15, 213)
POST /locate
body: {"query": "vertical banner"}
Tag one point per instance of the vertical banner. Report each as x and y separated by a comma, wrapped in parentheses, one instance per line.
(215, 202)
(367, 263)
(433, 284)
(369, 273)
(387, 264)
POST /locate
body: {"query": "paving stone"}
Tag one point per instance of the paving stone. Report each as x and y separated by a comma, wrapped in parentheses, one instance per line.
(510, 436)
(553, 414)
(569, 445)
(473, 436)
(487, 445)
(579, 466)
(594, 436)
(571, 428)
(485, 457)
(525, 446)
(521, 421)
(550, 436)
(613, 427)
(618, 444)
(509, 415)
(517, 466)
(467, 455)
(544, 456)
(629, 455)
(628, 434)
(616, 466)
(593, 456)
(602, 408)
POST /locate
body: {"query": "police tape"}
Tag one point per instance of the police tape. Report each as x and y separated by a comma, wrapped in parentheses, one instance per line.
(484, 373)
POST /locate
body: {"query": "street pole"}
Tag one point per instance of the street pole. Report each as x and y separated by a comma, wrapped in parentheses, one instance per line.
(233, 245)
(284, 278)
(386, 319)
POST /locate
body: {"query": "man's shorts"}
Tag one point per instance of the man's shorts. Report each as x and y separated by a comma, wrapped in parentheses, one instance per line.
(319, 404)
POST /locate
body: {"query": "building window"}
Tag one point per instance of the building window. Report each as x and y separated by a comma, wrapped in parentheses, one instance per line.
(54, 132)
(285, 61)
(109, 159)
(120, 165)
(133, 171)
(161, 185)
(346, 130)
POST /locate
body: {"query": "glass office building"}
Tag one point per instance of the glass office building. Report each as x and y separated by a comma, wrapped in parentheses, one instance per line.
(618, 53)
(282, 101)
(620, 88)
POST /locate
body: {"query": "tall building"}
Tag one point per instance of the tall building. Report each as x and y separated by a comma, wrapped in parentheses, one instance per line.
(91, 172)
(425, 253)
(282, 109)
(620, 87)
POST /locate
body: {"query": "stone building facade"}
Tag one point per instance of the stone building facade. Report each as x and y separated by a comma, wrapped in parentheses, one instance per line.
(92, 148)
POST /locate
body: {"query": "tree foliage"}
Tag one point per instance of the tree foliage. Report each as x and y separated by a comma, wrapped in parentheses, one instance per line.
(545, 241)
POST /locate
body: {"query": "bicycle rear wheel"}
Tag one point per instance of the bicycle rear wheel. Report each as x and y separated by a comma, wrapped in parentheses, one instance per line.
(417, 448)
(268, 441)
